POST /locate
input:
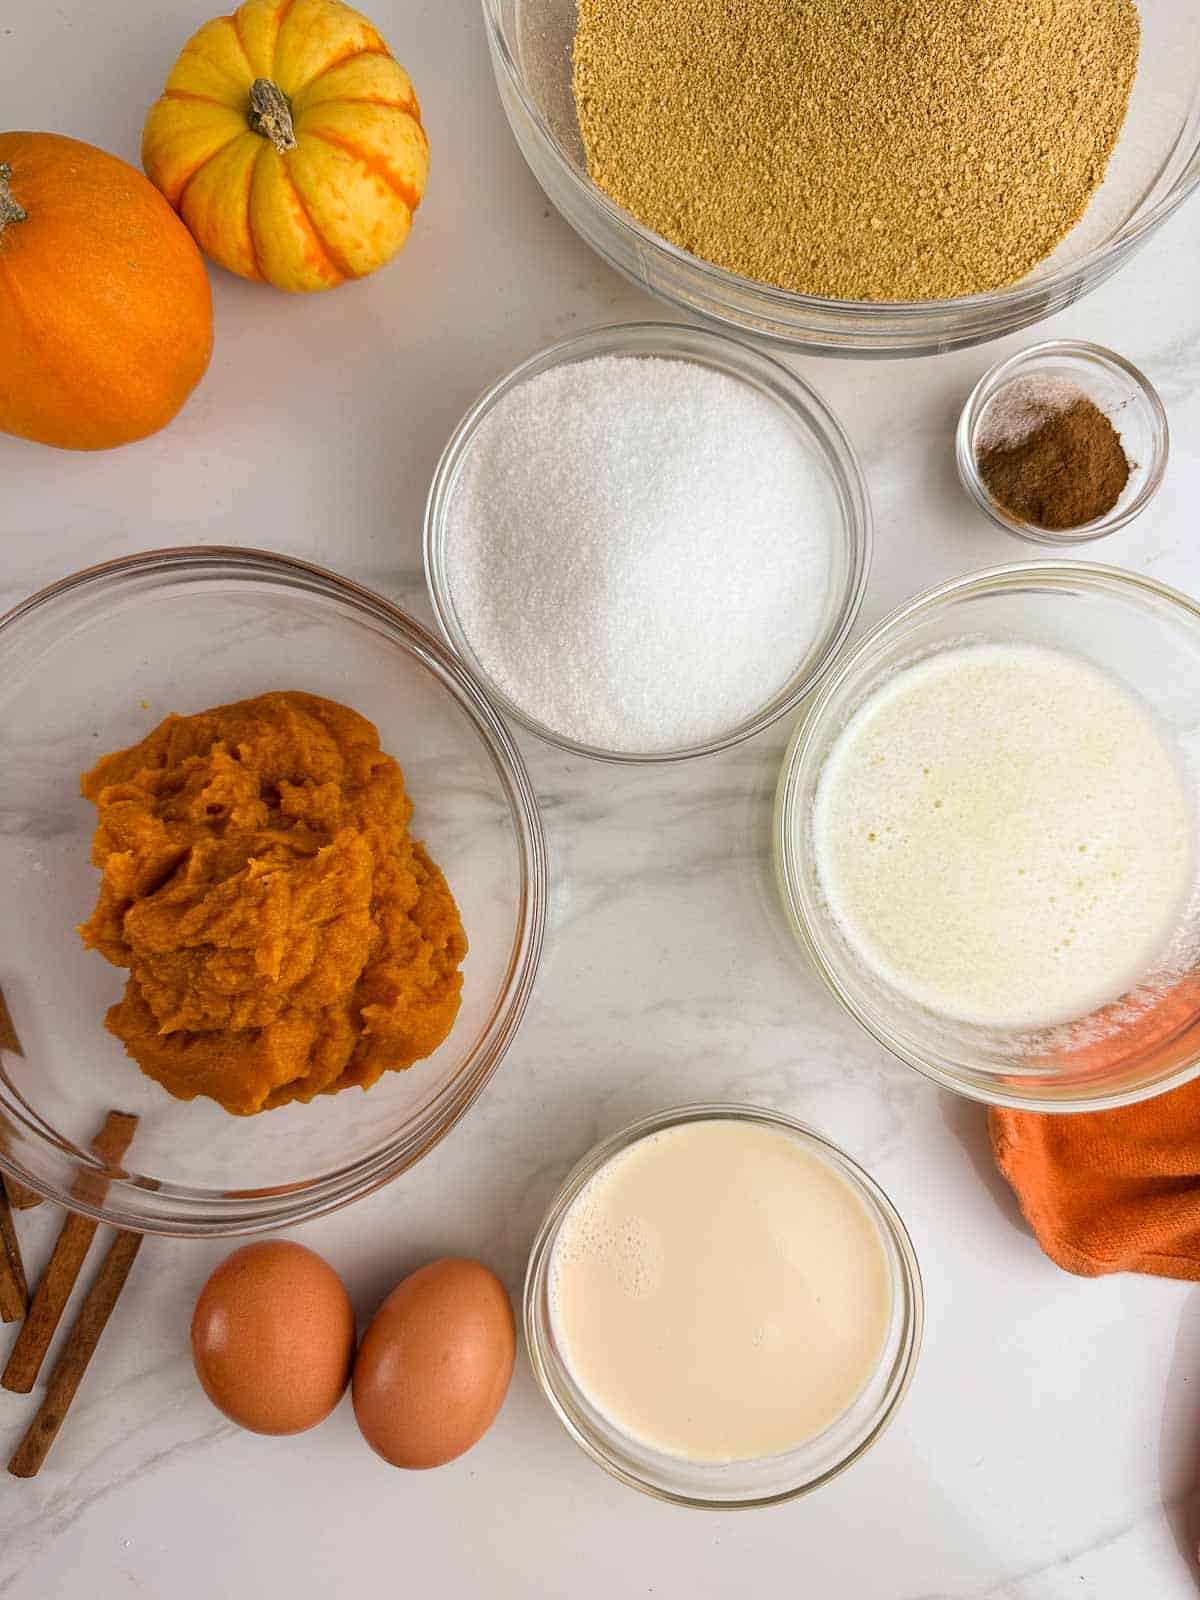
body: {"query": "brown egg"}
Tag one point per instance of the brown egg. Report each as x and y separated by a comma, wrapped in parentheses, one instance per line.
(435, 1364)
(273, 1337)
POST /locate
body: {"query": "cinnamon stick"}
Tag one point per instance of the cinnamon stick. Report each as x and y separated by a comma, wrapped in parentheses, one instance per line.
(19, 1197)
(62, 1271)
(49, 1302)
(8, 1034)
(81, 1345)
(14, 1291)
(110, 1144)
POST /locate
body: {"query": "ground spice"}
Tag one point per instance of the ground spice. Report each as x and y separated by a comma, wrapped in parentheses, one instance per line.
(1048, 455)
(858, 149)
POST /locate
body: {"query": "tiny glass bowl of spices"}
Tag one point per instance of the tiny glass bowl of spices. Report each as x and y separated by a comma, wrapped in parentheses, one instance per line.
(1062, 444)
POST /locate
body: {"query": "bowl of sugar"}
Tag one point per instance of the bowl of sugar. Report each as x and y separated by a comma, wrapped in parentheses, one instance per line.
(649, 541)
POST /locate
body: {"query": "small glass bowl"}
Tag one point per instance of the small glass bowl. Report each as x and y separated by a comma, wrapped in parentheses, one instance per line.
(1146, 636)
(737, 1485)
(1127, 398)
(92, 664)
(816, 426)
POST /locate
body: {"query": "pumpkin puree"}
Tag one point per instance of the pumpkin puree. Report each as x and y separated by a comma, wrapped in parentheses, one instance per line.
(284, 936)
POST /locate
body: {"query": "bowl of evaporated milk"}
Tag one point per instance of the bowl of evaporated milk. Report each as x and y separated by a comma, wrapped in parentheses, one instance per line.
(722, 1307)
(987, 841)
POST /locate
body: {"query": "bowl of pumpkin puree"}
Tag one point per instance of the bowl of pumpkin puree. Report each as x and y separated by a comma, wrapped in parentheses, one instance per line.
(285, 936)
(279, 885)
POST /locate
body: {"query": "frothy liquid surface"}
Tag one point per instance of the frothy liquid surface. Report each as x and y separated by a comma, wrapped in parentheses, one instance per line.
(719, 1292)
(1003, 835)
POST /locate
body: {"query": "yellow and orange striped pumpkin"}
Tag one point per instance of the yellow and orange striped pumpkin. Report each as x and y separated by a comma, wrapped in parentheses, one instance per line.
(290, 142)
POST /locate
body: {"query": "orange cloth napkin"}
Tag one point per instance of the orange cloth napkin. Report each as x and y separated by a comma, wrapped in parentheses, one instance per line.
(1110, 1191)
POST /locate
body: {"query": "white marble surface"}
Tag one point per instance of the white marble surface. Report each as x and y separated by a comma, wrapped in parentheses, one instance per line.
(1049, 1445)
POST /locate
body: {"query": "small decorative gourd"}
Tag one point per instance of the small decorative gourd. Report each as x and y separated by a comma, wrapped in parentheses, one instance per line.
(291, 144)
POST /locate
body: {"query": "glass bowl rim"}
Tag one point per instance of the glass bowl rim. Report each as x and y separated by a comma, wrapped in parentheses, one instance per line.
(797, 759)
(243, 1212)
(883, 1212)
(689, 341)
(990, 385)
(722, 282)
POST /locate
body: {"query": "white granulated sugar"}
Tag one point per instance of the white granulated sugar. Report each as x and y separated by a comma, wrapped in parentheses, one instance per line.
(639, 551)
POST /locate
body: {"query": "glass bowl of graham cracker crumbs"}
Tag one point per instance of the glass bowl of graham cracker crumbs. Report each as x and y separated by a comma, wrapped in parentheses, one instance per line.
(1063, 443)
(853, 179)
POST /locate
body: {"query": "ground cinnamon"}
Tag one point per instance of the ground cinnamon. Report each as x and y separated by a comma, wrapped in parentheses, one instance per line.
(1049, 456)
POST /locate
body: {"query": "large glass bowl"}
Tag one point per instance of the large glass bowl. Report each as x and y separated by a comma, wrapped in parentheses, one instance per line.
(92, 664)
(1146, 636)
(739, 1485)
(1155, 166)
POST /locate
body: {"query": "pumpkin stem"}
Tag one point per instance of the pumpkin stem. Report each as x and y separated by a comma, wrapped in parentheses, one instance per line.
(271, 115)
(10, 211)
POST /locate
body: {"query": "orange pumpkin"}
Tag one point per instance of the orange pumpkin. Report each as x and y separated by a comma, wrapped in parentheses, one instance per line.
(290, 142)
(105, 307)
